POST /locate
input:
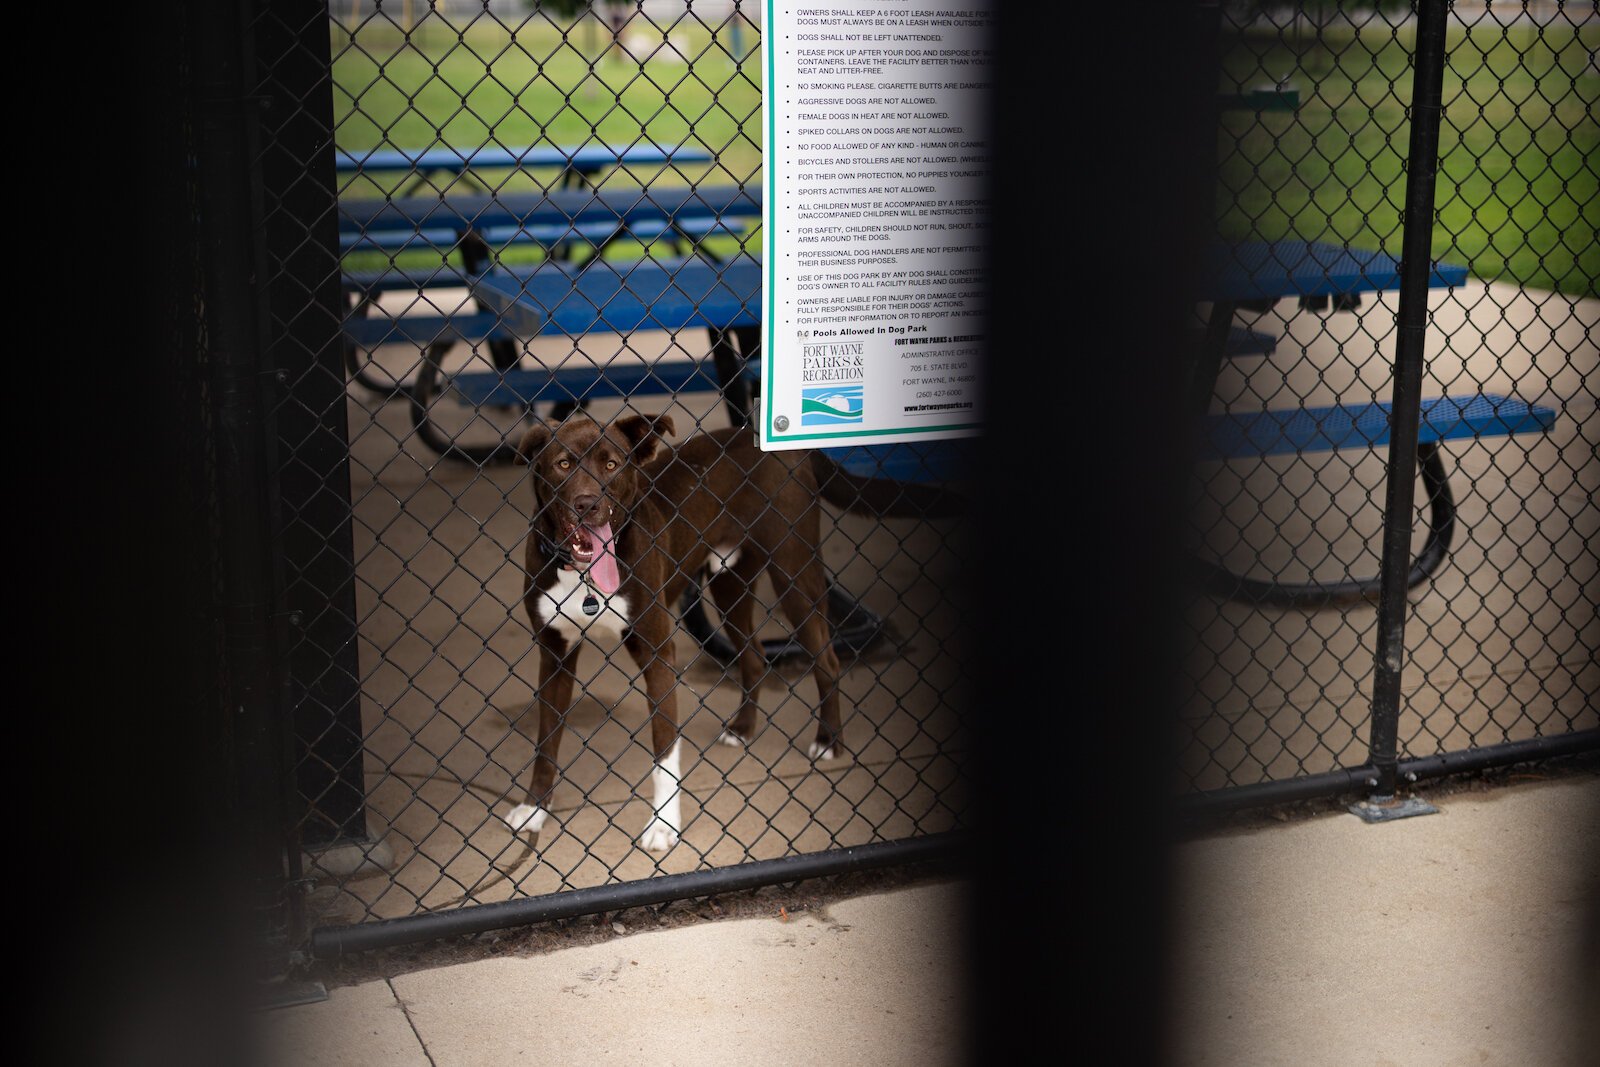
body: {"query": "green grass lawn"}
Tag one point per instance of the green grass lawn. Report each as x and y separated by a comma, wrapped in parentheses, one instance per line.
(1519, 191)
(1518, 200)
(484, 85)
(545, 86)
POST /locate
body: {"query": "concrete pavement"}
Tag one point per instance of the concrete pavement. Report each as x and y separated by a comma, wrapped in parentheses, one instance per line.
(873, 980)
(1456, 938)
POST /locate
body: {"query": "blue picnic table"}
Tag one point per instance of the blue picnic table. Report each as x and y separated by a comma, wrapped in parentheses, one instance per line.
(607, 296)
(906, 479)
(555, 298)
(1254, 275)
(578, 164)
(475, 225)
(549, 219)
(1258, 273)
(1253, 270)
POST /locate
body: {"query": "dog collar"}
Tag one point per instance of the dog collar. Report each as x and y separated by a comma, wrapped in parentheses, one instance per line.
(561, 554)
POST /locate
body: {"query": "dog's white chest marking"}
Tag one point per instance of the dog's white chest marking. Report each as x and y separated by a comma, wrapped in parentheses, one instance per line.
(721, 558)
(561, 606)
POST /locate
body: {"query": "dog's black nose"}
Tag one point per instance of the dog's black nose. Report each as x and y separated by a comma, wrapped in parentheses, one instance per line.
(585, 505)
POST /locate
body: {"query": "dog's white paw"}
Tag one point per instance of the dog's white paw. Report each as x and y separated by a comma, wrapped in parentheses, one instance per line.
(658, 837)
(525, 818)
(820, 751)
(731, 739)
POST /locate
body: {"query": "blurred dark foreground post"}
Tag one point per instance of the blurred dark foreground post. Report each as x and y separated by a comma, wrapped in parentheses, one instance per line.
(1103, 134)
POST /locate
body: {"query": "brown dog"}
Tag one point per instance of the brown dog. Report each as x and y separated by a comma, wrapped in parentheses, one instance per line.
(621, 524)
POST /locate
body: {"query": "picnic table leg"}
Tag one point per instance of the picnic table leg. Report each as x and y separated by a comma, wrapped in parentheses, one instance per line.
(730, 363)
(475, 257)
(424, 393)
(1220, 581)
(574, 178)
(1209, 364)
(563, 250)
(361, 302)
(1435, 550)
(461, 175)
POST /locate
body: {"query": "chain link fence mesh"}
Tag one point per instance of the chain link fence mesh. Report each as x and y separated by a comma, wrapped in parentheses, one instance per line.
(1501, 634)
(607, 158)
(613, 160)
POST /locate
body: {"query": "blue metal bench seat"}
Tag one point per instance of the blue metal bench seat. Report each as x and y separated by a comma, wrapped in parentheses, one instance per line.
(599, 296)
(547, 235)
(366, 283)
(523, 387)
(583, 381)
(1256, 270)
(423, 331)
(608, 297)
(1444, 418)
(628, 207)
(908, 479)
(561, 298)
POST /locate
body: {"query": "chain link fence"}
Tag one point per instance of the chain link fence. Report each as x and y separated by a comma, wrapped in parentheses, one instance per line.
(504, 268)
(1299, 369)
(564, 628)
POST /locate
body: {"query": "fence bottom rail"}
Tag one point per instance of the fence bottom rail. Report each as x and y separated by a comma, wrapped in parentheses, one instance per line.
(335, 941)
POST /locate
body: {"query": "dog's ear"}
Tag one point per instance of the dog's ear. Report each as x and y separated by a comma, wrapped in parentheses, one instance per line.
(644, 433)
(533, 441)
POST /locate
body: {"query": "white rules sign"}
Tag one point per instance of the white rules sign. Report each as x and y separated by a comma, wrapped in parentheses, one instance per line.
(876, 154)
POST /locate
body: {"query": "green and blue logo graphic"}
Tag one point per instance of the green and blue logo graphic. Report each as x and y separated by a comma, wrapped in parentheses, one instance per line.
(831, 405)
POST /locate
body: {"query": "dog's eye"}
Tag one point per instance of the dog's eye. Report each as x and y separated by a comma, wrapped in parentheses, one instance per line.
(611, 464)
(564, 464)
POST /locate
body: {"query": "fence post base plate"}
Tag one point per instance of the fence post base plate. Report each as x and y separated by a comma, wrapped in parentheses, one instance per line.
(1388, 809)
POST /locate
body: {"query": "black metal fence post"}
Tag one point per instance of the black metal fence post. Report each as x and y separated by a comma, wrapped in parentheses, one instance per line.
(294, 98)
(224, 146)
(1411, 328)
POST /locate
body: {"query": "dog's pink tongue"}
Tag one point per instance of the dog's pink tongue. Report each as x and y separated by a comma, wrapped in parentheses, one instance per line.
(603, 571)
